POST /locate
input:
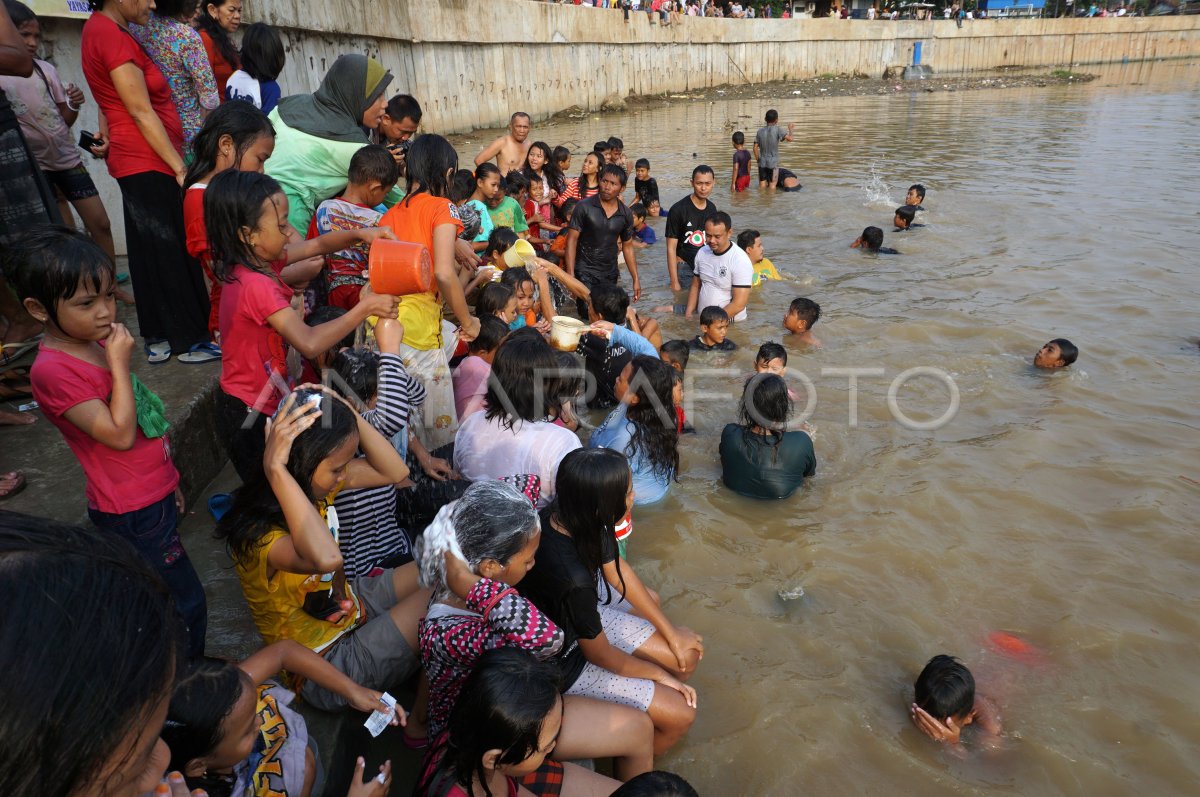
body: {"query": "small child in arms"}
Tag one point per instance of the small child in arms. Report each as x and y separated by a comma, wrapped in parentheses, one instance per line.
(1058, 353)
(714, 326)
(799, 320)
(945, 702)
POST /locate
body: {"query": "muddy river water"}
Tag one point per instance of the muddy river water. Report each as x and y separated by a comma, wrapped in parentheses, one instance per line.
(1059, 507)
(1053, 506)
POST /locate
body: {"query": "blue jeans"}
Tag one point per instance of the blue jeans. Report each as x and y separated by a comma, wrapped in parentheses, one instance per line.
(154, 531)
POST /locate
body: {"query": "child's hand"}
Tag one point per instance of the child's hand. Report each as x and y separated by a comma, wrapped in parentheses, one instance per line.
(367, 235)
(99, 150)
(469, 329)
(174, 785)
(602, 329)
(389, 334)
(74, 95)
(377, 786)
(689, 694)
(682, 643)
(381, 305)
(180, 501)
(365, 699)
(118, 346)
(437, 468)
(292, 420)
(542, 326)
(947, 732)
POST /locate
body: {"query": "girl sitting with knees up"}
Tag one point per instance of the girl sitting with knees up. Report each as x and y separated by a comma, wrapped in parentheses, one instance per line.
(232, 730)
(507, 721)
(472, 555)
(611, 654)
(284, 543)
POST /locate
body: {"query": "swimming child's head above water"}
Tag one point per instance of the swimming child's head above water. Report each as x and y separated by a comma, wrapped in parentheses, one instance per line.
(771, 358)
(915, 195)
(945, 689)
(675, 353)
(714, 325)
(801, 315)
(750, 242)
(871, 240)
(905, 215)
(1058, 353)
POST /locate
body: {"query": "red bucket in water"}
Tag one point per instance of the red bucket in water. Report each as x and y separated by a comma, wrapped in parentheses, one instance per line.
(399, 268)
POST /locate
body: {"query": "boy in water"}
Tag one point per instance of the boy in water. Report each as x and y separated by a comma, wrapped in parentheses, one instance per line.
(871, 240)
(643, 233)
(714, 326)
(751, 243)
(1058, 353)
(771, 358)
(904, 220)
(945, 703)
(741, 164)
(645, 187)
(915, 196)
(799, 320)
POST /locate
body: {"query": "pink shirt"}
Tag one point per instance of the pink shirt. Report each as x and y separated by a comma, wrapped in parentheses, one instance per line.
(253, 355)
(35, 101)
(117, 481)
(470, 385)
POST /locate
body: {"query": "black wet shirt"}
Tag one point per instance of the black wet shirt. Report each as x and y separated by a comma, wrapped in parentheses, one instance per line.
(685, 222)
(596, 250)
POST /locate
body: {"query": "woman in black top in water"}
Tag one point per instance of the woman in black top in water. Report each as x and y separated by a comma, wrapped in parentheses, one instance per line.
(759, 457)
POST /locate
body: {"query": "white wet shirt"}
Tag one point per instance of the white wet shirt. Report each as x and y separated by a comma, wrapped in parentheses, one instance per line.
(720, 274)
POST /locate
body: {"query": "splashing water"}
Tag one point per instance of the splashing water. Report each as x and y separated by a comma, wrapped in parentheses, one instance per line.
(876, 188)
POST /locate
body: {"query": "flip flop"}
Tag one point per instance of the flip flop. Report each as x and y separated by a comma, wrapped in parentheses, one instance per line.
(201, 353)
(158, 352)
(11, 352)
(18, 484)
(219, 504)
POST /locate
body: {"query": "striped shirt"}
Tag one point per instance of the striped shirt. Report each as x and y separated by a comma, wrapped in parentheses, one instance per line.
(369, 532)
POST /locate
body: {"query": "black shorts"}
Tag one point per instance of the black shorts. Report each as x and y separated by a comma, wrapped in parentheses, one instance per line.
(75, 184)
(766, 175)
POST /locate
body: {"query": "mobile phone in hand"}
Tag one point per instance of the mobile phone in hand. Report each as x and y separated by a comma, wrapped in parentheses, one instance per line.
(87, 140)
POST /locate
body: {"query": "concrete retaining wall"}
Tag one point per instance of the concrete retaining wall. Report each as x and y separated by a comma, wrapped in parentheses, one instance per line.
(473, 62)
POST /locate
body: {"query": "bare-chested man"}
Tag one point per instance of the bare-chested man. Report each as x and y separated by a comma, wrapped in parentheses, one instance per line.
(509, 150)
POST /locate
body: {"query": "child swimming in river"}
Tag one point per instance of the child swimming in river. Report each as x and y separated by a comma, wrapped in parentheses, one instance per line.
(915, 196)
(871, 240)
(801, 315)
(1058, 353)
(751, 243)
(905, 218)
(945, 702)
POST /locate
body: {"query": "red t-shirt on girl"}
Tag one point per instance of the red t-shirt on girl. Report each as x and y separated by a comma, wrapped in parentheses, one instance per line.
(107, 46)
(117, 481)
(195, 233)
(253, 355)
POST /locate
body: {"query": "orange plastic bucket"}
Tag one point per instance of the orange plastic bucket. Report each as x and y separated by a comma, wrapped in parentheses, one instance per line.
(399, 268)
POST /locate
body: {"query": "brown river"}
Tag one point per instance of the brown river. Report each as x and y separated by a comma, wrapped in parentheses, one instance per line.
(1051, 506)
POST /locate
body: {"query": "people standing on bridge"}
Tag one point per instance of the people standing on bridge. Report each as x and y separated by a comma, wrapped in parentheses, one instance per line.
(766, 148)
(512, 148)
(685, 223)
(599, 226)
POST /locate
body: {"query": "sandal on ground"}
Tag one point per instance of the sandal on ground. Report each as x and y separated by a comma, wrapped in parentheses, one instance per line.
(219, 504)
(158, 352)
(11, 352)
(11, 484)
(201, 353)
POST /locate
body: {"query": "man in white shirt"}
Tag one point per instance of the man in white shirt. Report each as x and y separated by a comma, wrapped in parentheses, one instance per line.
(723, 272)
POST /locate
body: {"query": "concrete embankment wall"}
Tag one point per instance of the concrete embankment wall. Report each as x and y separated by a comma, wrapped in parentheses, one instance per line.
(473, 62)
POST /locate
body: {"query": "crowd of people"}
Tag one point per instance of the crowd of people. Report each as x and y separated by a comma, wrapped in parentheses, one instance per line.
(417, 499)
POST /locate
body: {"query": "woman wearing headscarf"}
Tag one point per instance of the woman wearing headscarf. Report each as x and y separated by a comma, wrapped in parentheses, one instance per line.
(317, 134)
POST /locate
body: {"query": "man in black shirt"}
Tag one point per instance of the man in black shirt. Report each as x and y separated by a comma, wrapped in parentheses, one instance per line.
(685, 224)
(599, 224)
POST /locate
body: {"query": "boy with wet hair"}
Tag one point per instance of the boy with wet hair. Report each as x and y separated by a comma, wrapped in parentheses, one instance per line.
(750, 242)
(616, 153)
(714, 326)
(643, 233)
(601, 148)
(915, 196)
(771, 358)
(1058, 353)
(945, 702)
(905, 218)
(675, 353)
(871, 240)
(801, 315)
(645, 187)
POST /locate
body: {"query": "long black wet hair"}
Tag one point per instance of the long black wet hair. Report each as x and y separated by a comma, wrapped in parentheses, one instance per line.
(241, 121)
(234, 200)
(523, 383)
(503, 705)
(766, 404)
(255, 509)
(87, 661)
(554, 175)
(591, 485)
(432, 162)
(655, 429)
